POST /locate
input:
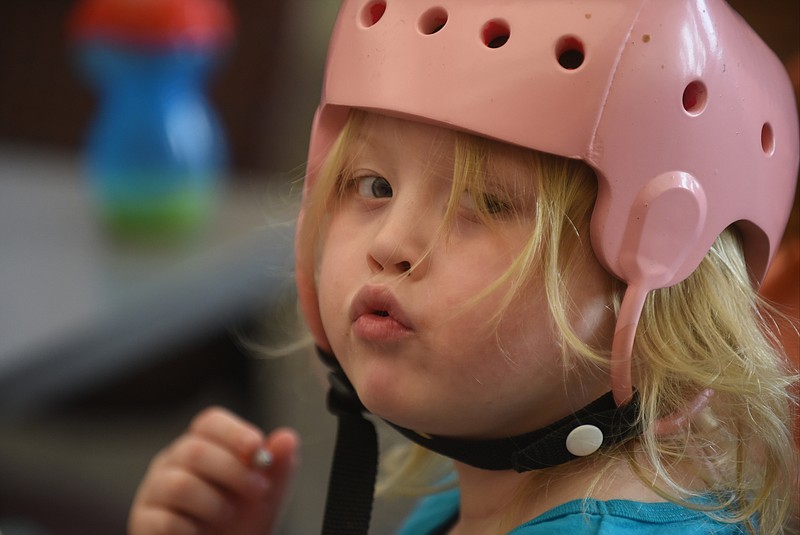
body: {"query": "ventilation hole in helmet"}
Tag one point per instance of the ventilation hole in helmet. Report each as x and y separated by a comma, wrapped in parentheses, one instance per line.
(372, 13)
(495, 34)
(432, 21)
(570, 52)
(767, 139)
(695, 97)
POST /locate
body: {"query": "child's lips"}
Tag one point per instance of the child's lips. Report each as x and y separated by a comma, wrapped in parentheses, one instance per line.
(377, 316)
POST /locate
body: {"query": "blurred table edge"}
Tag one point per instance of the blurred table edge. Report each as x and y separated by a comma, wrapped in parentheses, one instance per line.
(129, 318)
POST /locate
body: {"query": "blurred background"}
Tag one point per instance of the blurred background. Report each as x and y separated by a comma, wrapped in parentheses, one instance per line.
(108, 348)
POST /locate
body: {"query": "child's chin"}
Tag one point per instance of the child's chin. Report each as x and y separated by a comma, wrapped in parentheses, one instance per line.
(398, 409)
(384, 404)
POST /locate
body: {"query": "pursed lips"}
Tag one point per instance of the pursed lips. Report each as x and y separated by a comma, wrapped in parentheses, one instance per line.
(375, 314)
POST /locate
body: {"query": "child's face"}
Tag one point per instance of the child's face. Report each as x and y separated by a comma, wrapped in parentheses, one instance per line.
(394, 291)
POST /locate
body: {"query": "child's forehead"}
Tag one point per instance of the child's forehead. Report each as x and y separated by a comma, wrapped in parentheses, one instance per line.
(383, 130)
(376, 133)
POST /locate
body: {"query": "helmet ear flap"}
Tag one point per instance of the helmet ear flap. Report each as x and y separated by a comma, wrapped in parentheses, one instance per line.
(659, 239)
(661, 233)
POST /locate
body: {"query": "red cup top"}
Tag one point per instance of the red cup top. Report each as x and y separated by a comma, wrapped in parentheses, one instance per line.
(153, 22)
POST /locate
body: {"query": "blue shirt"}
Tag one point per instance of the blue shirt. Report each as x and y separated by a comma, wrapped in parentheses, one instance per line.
(584, 517)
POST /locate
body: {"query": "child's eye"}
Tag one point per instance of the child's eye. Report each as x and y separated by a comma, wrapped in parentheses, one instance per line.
(374, 187)
(495, 205)
(487, 203)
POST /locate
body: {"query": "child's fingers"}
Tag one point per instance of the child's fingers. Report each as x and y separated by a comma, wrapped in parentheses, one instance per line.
(187, 494)
(283, 445)
(157, 521)
(228, 430)
(172, 500)
(222, 448)
(217, 465)
(207, 480)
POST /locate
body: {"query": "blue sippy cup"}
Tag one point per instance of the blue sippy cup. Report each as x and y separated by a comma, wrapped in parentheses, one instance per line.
(156, 152)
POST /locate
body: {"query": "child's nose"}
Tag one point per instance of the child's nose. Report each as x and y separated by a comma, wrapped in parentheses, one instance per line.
(401, 245)
(399, 268)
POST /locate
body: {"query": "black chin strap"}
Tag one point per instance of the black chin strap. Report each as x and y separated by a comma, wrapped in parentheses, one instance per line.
(543, 448)
(351, 486)
(355, 463)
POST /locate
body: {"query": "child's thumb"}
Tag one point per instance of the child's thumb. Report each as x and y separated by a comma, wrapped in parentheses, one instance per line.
(283, 445)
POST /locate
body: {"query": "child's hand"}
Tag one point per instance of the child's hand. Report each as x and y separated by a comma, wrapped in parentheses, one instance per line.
(206, 483)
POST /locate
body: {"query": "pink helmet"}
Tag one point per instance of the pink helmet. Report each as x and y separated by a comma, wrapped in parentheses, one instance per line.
(686, 116)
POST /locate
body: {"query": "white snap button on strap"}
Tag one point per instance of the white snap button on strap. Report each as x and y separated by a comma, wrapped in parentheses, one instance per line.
(584, 440)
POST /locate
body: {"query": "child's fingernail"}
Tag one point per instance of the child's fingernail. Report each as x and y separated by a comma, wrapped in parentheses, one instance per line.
(262, 458)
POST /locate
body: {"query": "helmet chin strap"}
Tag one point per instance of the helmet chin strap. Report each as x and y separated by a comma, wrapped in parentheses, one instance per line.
(351, 486)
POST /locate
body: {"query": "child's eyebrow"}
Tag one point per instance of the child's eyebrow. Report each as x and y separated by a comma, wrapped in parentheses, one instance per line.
(365, 144)
(369, 138)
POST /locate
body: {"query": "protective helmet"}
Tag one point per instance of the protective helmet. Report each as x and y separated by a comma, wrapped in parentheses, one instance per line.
(685, 115)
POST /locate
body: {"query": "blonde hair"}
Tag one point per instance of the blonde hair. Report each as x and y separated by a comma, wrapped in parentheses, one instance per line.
(705, 332)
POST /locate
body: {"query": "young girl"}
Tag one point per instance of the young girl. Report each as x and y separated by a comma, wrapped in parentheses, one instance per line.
(530, 240)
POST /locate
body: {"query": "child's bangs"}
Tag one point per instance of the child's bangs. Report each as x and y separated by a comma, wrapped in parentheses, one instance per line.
(497, 178)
